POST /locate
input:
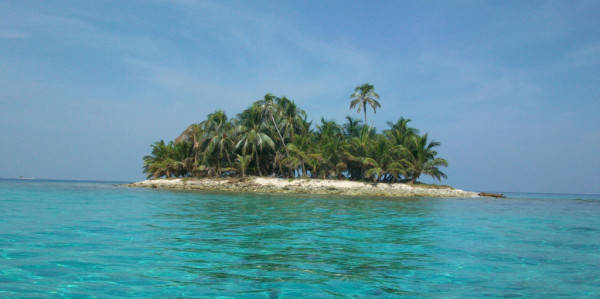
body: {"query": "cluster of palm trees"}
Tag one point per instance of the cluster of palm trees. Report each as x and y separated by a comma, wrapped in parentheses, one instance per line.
(273, 138)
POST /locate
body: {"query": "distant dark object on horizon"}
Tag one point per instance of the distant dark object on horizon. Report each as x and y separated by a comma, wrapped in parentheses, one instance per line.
(491, 195)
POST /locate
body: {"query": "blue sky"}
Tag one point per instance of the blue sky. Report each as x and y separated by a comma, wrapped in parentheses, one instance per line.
(510, 88)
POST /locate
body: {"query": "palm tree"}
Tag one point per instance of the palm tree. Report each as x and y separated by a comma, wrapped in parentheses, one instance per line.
(352, 127)
(399, 133)
(315, 161)
(183, 158)
(251, 132)
(218, 136)
(154, 164)
(363, 95)
(381, 151)
(299, 150)
(422, 159)
(328, 128)
(333, 149)
(292, 117)
(242, 163)
(198, 135)
(358, 156)
(376, 172)
(169, 160)
(270, 109)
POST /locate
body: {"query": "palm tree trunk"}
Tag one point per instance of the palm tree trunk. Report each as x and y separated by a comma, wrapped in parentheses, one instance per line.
(365, 111)
(280, 169)
(293, 134)
(257, 164)
(218, 166)
(228, 159)
(280, 136)
(195, 151)
(412, 180)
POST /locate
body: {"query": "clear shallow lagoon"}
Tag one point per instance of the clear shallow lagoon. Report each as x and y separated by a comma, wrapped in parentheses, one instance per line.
(85, 238)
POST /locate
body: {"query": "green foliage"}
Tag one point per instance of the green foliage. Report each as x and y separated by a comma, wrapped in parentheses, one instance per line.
(242, 163)
(273, 138)
(169, 160)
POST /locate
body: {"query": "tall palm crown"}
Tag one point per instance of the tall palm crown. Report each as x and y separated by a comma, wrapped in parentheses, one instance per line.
(363, 95)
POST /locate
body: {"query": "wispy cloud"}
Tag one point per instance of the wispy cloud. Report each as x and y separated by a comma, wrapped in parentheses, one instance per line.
(265, 53)
(11, 34)
(586, 56)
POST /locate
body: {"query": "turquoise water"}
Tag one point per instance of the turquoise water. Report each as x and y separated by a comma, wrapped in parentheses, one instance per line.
(74, 239)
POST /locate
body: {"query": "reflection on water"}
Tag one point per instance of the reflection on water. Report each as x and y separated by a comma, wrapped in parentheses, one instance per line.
(78, 239)
(269, 242)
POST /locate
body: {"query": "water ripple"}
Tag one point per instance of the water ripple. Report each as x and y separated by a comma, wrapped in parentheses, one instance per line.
(88, 240)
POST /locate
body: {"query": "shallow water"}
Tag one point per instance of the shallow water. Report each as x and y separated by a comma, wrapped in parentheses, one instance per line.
(84, 238)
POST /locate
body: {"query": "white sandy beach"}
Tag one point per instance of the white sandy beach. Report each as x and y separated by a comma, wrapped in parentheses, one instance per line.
(307, 186)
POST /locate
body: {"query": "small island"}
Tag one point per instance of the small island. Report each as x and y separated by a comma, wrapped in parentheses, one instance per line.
(271, 147)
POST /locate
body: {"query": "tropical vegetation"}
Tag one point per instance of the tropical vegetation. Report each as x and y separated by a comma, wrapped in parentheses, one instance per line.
(273, 138)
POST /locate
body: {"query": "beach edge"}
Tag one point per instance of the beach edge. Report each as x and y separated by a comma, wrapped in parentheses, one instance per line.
(302, 186)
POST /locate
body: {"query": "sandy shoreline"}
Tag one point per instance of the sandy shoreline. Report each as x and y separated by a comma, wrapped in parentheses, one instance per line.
(302, 186)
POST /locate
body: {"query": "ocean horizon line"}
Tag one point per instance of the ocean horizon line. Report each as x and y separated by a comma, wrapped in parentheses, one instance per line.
(133, 181)
(66, 180)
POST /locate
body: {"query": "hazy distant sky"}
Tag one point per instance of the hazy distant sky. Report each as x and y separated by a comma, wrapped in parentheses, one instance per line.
(510, 88)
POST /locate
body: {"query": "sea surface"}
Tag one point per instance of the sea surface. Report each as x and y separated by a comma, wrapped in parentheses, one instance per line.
(81, 239)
